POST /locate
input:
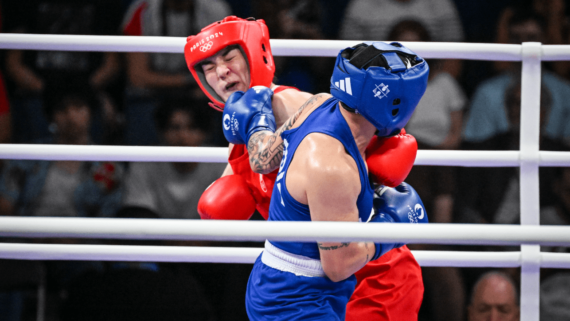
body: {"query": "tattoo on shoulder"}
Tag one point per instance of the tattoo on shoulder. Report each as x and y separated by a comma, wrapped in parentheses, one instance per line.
(264, 157)
(332, 247)
(288, 124)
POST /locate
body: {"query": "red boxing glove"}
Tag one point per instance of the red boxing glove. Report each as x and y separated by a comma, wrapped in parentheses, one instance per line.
(390, 159)
(228, 198)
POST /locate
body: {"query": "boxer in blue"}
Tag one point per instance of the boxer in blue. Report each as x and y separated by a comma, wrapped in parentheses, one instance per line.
(375, 88)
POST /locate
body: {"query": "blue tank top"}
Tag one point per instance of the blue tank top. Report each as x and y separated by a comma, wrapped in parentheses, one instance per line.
(326, 119)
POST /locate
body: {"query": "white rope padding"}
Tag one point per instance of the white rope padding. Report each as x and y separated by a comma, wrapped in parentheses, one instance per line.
(171, 229)
(280, 47)
(114, 153)
(220, 155)
(196, 254)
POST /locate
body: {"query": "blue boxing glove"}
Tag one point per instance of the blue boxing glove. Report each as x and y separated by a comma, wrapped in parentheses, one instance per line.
(401, 204)
(247, 113)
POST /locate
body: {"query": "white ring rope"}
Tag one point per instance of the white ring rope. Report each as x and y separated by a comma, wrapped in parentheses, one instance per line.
(114, 153)
(197, 254)
(220, 155)
(170, 229)
(280, 47)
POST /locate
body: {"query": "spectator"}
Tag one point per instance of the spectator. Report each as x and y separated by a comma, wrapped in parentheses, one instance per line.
(552, 13)
(559, 212)
(297, 19)
(562, 68)
(137, 290)
(373, 20)
(494, 297)
(508, 211)
(172, 190)
(32, 71)
(62, 188)
(492, 123)
(5, 119)
(436, 124)
(555, 283)
(491, 195)
(154, 77)
(487, 116)
(5, 124)
(302, 19)
(555, 297)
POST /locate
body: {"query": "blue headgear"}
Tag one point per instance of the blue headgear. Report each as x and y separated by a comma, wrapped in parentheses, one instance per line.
(383, 82)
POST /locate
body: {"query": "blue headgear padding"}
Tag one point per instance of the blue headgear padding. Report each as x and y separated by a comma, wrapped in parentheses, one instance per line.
(383, 82)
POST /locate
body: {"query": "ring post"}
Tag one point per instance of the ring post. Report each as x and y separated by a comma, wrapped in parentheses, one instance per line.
(529, 187)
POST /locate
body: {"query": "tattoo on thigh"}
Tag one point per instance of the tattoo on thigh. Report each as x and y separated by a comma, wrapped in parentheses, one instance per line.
(332, 247)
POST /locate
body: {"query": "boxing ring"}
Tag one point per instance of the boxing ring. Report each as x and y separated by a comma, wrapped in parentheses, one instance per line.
(529, 158)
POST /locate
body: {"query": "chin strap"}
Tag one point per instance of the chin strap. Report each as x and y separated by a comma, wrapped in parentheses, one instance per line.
(349, 109)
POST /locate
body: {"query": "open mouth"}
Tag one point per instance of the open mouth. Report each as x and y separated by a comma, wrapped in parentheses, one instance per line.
(231, 86)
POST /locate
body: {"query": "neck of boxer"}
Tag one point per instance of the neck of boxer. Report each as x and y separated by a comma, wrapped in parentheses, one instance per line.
(362, 130)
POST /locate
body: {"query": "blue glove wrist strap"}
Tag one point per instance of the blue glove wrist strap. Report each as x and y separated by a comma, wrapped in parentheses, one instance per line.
(377, 251)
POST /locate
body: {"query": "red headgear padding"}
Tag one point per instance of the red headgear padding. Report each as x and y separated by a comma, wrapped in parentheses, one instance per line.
(253, 38)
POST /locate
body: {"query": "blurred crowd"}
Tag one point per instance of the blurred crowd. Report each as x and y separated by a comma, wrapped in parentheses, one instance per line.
(108, 98)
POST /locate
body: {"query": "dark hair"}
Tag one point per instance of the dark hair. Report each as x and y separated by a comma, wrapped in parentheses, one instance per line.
(408, 25)
(59, 98)
(522, 14)
(165, 111)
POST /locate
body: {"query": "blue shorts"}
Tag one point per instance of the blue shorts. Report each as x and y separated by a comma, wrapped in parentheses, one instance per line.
(277, 295)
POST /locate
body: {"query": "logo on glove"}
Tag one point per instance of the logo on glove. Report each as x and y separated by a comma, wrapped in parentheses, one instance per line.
(416, 214)
(420, 211)
(227, 122)
(233, 124)
(207, 46)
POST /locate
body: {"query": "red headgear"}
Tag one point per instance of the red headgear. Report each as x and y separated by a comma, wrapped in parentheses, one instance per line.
(253, 38)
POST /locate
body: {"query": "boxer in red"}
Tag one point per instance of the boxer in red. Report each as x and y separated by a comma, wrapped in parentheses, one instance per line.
(234, 55)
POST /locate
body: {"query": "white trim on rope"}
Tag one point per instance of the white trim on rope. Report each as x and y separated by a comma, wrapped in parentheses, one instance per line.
(279, 47)
(197, 254)
(114, 153)
(220, 155)
(81, 252)
(170, 229)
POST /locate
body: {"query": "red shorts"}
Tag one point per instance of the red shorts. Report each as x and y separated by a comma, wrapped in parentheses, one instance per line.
(390, 288)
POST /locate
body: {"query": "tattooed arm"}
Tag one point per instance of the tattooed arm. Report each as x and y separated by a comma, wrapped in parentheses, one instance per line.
(266, 148)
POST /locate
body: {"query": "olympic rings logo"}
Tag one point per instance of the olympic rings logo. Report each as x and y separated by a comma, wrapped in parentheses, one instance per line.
(207, 46)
